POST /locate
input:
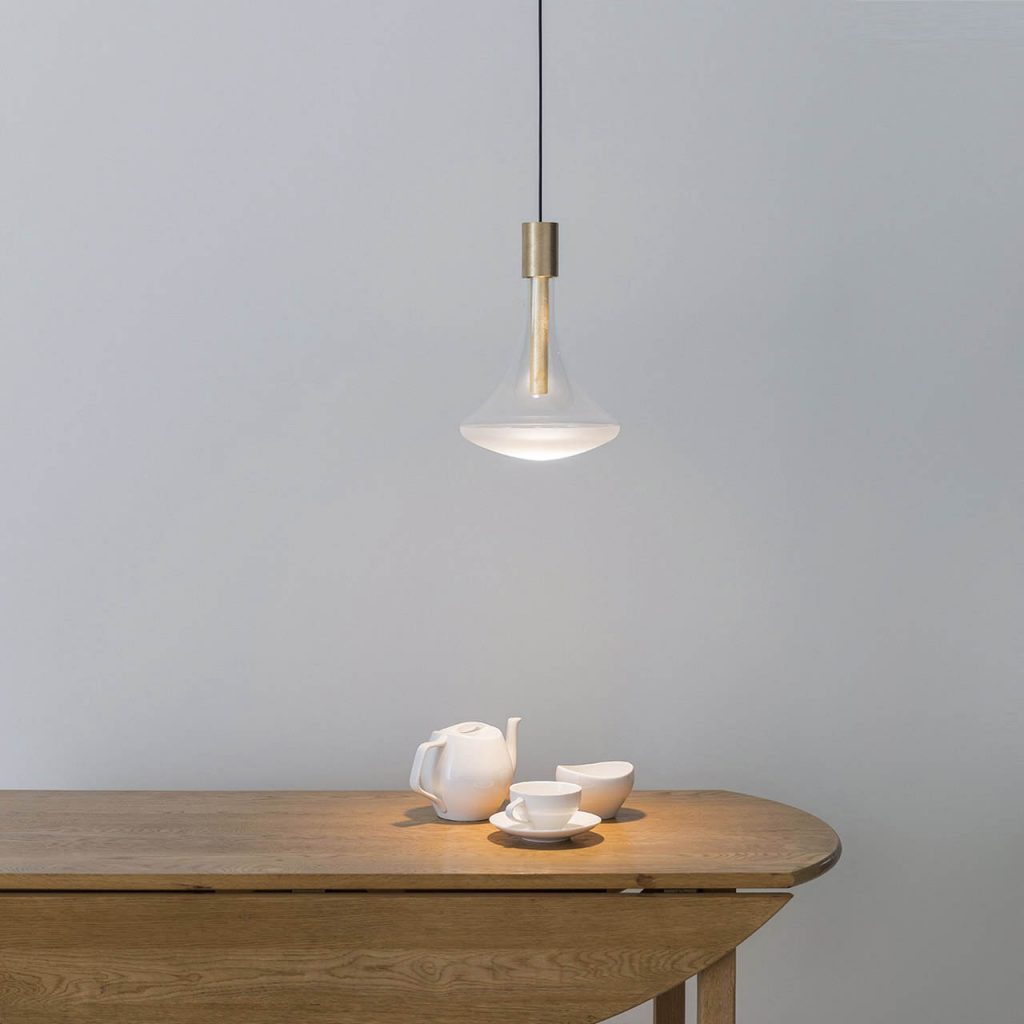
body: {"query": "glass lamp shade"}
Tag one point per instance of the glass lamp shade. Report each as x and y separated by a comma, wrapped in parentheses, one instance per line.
(560, 421)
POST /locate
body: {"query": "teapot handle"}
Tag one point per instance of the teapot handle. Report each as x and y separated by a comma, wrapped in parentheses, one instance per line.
(415, 776)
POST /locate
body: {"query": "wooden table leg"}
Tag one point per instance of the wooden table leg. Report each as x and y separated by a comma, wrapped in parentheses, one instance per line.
(716, 992)
(670, 1006)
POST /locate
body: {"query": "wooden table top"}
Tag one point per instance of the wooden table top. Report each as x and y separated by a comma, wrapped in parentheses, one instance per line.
(113, 840)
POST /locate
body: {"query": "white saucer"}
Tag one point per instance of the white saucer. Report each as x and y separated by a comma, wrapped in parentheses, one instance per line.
(579, 823)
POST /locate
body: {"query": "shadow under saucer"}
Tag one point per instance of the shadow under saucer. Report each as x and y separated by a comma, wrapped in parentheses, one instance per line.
(500, 838)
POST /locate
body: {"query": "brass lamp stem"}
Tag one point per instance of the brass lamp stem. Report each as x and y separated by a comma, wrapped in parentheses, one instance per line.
(540, 264)
(540, 323)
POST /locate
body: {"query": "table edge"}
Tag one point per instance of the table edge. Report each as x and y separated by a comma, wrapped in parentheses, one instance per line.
(31, 881)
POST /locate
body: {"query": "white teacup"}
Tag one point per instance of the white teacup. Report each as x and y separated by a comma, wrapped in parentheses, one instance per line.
(544, 805)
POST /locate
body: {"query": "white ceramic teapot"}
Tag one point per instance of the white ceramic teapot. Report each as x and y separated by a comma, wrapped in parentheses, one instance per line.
(466, 769)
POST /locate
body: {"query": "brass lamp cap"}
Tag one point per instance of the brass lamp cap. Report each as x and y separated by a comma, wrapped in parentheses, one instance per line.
(540, 248)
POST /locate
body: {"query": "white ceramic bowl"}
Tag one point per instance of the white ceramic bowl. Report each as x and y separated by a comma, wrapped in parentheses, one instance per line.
(605, 784)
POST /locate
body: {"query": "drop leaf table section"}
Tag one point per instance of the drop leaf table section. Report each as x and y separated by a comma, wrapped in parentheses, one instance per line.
(343, 907)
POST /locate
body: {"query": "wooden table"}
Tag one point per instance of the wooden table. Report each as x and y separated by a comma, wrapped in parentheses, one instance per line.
(364, 908)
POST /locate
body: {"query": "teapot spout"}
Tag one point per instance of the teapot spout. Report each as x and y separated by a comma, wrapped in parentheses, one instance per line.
(511, 733)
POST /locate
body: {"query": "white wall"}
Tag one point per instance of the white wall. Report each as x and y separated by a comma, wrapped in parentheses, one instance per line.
(258, 260)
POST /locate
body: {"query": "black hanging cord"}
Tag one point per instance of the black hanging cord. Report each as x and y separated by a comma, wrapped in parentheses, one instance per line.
(540, 109)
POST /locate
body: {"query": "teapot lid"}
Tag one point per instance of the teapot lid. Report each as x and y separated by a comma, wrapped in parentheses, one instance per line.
(472, 730)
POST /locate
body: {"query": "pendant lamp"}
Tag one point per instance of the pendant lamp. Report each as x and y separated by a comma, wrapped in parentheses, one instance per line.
(536, 413)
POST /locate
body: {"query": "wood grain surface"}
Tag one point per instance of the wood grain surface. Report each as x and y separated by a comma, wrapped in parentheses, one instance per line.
(357, 958)
(670, 1006)
(277, 840)
(716, 991)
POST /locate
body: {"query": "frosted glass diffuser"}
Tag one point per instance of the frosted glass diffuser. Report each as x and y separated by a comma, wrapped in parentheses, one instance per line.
(536, 413)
